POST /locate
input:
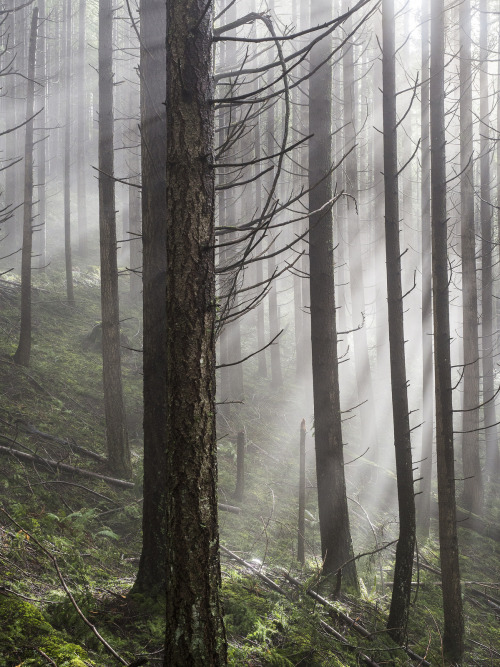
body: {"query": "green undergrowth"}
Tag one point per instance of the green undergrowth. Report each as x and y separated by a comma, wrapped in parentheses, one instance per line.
(93, 529)
(27, 638)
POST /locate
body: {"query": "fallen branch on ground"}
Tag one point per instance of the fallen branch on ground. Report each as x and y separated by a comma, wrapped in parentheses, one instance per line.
(278, 589)
(56, 466)
(31, 430)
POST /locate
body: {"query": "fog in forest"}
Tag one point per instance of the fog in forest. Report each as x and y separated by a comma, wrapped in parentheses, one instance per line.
(267, 57)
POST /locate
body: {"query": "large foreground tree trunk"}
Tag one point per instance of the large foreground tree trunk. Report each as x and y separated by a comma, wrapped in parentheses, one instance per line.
(336, 544)
(116, 427)
(453, 635)
(152, 567)
(194, 628)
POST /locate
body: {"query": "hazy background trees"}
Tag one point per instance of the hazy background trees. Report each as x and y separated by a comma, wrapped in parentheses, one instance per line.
(300, 135)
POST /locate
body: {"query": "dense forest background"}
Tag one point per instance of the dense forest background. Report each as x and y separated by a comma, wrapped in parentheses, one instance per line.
(249, 332)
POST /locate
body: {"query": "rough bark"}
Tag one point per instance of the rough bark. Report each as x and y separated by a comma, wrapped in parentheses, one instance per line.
(400, 601)
(336, 544)
(194, 628)
(116, 427)
(473, 486)
(23, 352)
(453, 634)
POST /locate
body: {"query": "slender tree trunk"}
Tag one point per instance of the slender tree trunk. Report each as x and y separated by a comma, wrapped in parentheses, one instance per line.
(40, 229)
(400, 602)
(12, 140)
(424, 498)
(194, 629)
(240, 466)
(81, 134)
(116, 426)
(486, 211)
(362, 368)
(259, 311)
(336, 544)
(302, 495)
(453, 635)
(67, 155)
(273, 309)
(151, 576)
(473, 486)
(22, 355)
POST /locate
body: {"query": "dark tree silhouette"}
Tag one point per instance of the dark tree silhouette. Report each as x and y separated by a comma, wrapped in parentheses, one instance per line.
(194, 629)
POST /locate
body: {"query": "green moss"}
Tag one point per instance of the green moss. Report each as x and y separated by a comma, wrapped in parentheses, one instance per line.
(24, 632)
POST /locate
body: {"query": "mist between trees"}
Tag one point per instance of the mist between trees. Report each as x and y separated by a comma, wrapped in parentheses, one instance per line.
(297, 196)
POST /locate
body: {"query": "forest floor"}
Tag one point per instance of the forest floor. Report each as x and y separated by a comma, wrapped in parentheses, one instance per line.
(90, 528)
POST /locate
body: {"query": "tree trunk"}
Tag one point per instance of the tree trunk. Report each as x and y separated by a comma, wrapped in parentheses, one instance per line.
(486, 211)
(81, 135)
(22, 355)
(240, 466)
(116, 427)
(424, 498)
(336, 544)
(40, 229)
(302, 495)
(151, 576)
(67, 154)
(473, 485)
(194, 628)
(400, 602)
(453, 635)
(365, 399)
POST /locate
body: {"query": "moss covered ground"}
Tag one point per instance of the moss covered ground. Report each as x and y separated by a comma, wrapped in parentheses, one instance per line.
(93, 529)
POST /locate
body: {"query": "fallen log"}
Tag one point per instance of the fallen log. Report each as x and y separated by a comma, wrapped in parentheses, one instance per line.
(350, 621)
(318, 598)
(255, 571)
(31, 430)
(229, 508)
(56, 466)
(269, 582)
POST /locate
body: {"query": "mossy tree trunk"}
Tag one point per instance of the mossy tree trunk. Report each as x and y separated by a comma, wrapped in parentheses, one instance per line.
(194, 628)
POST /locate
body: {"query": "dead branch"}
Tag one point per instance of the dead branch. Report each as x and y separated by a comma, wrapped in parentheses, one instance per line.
(56, 466)
(28, 428)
